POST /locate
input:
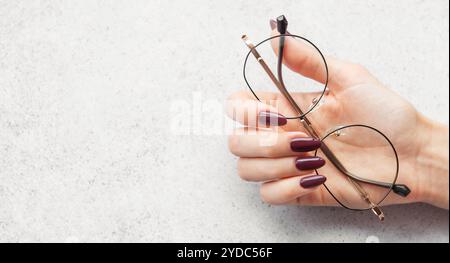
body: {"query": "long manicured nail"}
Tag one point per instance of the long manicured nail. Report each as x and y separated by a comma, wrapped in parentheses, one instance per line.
(309, 163)
(273, 24)
(271, 118)
(305, 144)
(312, 181)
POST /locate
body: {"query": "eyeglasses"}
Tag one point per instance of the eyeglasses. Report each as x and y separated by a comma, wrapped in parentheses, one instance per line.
(349, 148)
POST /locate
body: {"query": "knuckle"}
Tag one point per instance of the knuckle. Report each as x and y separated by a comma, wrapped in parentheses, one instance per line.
(244, 175)
(242, 171)
(263, 193)
(268, 151)
(266, 170)
(271, 173)
(267, 196)
(233, 144)
(274, 171)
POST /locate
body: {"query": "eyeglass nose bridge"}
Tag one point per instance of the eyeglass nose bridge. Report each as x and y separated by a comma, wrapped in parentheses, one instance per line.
(316, 102)
(337, 131)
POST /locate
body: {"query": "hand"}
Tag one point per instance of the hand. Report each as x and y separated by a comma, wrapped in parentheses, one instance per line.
(285, 167)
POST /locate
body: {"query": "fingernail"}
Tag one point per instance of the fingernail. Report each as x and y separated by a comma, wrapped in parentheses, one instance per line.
(305, 144)
(312, 181)
(309, 163)
(273, 24)
(271, 118)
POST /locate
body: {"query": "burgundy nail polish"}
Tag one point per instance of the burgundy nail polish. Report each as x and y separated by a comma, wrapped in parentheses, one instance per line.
(271, 118)
(305, 144)
(309, 163)
(312, 181)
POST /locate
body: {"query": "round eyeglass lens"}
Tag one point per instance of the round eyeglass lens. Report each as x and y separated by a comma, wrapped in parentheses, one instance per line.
(363, 156)
(298, 72)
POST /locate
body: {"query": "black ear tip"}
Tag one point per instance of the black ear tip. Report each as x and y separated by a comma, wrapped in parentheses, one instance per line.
(401, 190)
(281, 18)
(282, 24)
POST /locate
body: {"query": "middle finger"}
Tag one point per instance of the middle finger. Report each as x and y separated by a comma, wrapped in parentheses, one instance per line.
(268, 169)
(249, 142)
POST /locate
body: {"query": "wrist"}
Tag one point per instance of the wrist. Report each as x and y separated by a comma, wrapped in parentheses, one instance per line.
(432, 162)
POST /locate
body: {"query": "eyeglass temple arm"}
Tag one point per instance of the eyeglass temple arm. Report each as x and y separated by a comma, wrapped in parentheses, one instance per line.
(399, 189)
(282, 27)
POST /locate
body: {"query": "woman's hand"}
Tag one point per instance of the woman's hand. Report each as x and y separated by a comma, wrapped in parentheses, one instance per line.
(279, 154)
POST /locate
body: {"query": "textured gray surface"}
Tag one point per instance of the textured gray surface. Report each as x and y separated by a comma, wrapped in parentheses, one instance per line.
(86, 149)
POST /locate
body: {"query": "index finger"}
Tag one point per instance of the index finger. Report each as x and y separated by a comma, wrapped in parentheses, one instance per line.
(244, 108)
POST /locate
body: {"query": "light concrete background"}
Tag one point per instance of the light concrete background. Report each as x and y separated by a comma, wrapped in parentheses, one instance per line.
(87, 152)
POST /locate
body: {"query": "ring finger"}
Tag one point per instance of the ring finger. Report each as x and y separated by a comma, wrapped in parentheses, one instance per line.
(268, 169)
(248, 142)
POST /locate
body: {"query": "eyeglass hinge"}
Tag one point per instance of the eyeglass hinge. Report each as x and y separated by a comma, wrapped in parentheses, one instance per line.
(377, 211)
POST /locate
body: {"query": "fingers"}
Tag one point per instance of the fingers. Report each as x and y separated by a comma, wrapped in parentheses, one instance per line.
(267, 155)
(268, 169)
(247, 142)
(244, 108)
(302, 57)
(288, 190)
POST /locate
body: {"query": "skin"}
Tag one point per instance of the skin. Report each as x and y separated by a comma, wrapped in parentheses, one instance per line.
(354, 97)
